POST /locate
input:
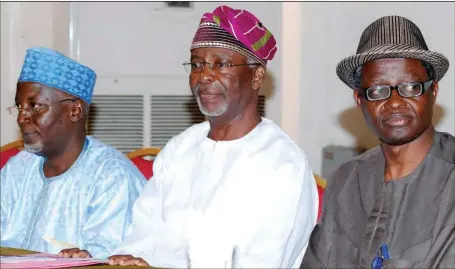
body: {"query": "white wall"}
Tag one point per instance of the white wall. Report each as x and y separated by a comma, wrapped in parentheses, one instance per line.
(24, 25)
(144, 45)
(331, 31)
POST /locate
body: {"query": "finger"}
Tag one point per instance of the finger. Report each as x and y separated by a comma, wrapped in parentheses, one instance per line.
(81, 254)
(112, 258)
(141, 262)
(116, 259)
(70, 252)
(129, 261)
(63, 252)
(60, 254)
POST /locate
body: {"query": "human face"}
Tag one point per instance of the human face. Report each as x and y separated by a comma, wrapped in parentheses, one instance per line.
(222, 90)
(396, 120)
(41, 116)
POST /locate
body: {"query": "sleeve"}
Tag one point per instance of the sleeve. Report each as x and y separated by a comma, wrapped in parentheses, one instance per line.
(108, 216)
(147, 223)
(283, 217)
(10, 174)
(447, 235)
(448, 258)
(313, 257)
(6, 198)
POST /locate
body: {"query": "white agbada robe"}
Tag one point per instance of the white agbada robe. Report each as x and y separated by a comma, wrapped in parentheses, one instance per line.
(250, 202)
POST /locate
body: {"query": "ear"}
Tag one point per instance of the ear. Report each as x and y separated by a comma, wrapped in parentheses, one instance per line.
(435, 89)
(258, 77)
(77, 111)
(357, 97)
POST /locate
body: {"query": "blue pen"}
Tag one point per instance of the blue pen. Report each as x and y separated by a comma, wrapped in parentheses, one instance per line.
(379, 259)
(377, 262)
(385, 252)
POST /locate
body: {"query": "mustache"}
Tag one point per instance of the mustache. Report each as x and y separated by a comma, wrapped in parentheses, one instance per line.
(392, 115)
(215, 87)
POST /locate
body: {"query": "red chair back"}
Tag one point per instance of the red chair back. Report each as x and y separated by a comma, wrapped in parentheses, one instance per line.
(145, 166)
(6, 155)
(321, 183)
(9, 150)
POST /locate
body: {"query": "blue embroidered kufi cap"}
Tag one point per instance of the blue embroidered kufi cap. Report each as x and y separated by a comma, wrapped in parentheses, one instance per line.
(53, 69)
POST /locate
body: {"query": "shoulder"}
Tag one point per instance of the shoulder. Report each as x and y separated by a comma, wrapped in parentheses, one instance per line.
(341, 176)
(269, 156)
(22, 161)
(275, 148)
(367, 157)
(15, 171)
(180, 142)
(191, 135)
(444, 147)
(110, 162)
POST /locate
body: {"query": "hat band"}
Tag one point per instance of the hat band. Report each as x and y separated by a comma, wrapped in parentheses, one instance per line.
(210, 35)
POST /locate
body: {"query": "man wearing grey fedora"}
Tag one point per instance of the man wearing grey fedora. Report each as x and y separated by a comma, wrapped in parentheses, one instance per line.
(394, 205)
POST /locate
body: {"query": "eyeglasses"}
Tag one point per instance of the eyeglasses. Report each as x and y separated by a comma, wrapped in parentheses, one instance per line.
(197, 67)
(34, 109)
(407, 90)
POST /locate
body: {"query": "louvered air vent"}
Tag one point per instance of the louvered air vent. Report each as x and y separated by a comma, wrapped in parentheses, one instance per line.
(118, 120)
(261, 105)
(172, 114)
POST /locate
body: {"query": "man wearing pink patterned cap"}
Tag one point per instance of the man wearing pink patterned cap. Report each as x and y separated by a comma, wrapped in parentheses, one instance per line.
(234, 191)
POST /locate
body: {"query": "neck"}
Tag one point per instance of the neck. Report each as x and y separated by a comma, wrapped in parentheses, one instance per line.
(59, 162)
(238, 127)
(403, 160)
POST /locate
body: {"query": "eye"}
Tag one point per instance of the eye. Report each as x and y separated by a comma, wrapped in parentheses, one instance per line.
(36, 106)
(196, 64)
(412, 88)
(223, 64)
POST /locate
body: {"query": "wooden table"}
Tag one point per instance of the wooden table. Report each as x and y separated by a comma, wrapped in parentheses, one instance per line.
(4, 251)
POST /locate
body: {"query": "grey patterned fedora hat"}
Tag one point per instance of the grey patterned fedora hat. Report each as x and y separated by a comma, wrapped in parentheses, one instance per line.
(391, 37)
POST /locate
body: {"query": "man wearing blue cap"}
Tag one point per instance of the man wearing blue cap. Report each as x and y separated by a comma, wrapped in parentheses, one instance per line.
(66, 189)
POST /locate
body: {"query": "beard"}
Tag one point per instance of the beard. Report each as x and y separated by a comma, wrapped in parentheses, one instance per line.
(34, 148)
(220, 108)
(399, 138)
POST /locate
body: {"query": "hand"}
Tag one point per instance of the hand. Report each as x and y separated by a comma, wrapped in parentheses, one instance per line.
(126, 260)
(74, 253)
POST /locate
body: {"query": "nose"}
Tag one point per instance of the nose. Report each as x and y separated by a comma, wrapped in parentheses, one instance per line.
(23, 117)
(395, 101)
(206, 75)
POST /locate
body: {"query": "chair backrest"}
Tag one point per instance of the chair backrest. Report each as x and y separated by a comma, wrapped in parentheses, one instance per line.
(9, 150)
(145, 166)
(321, 183)
(18, 144)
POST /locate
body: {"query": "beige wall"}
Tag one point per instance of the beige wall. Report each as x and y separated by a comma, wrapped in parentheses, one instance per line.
(24, 25)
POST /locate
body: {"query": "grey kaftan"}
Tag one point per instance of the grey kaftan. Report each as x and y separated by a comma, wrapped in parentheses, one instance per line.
(414, 215)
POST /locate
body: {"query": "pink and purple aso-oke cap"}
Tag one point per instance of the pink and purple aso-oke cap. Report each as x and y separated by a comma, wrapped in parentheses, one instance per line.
(237, 30)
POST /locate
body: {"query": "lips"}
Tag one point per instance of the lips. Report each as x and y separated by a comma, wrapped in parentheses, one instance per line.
(397, 119)
(209, 96)
(28, 135)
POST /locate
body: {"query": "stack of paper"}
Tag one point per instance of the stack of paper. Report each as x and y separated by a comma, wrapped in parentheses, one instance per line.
(44, 260)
